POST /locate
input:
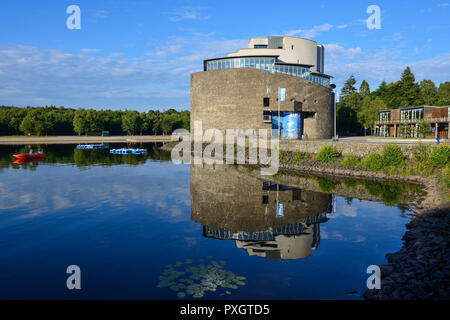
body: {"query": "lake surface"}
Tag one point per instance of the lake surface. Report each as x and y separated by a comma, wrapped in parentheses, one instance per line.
(141, 227)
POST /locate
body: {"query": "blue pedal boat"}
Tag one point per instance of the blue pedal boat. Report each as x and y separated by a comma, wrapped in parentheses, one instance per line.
(91, 146)
(127, 151)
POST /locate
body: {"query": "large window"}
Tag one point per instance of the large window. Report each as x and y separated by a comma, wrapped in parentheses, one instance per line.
(265, 63)
(411, 114)
(385, 116)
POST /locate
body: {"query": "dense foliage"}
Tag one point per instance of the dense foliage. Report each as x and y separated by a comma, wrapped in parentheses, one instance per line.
(327, 154)
(358, 109)
(392, 155)
(65, 121)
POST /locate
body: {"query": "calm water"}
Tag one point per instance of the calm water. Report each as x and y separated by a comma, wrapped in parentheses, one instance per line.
(142, 227)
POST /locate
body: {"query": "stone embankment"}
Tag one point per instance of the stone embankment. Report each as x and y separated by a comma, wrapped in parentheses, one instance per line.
(421, 269)
(353, 148)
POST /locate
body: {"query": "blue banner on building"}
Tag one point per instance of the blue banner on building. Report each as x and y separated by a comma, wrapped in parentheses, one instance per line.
(290, 125)
(282, 94)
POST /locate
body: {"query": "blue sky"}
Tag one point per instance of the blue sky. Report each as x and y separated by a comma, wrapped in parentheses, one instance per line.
(140, 54)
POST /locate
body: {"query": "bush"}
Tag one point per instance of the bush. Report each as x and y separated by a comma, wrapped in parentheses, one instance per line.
(374, 162)
(439, 156)
(350, 161)
(299, 157)
(422, 152)
(392, 155)
(327, 154)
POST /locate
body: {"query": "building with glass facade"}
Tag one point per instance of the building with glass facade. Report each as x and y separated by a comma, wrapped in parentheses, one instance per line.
(406, 122)
(240, 90)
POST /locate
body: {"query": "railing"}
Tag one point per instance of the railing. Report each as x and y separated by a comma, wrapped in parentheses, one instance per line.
(404, 121)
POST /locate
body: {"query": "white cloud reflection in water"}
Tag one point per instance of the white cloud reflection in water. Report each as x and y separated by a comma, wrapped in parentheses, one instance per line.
(50, 189)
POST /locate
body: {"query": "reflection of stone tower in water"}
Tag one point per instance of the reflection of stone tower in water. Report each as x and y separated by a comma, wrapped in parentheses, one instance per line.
(232, 205)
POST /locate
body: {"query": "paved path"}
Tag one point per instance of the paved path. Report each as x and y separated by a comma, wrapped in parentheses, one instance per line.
(372, 139)
(81, 139)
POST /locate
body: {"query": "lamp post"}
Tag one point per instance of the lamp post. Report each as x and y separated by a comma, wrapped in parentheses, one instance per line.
(333, 86)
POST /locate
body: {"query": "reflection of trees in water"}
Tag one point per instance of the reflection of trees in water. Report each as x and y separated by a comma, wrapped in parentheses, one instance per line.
(327, 185)
(391, 193)
(68, 154)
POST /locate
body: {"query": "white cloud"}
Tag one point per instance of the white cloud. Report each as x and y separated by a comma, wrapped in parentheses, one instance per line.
(383, 64)
(160, 78)
(310, 33)
(87, 50)
(189, 13)
(335, 51)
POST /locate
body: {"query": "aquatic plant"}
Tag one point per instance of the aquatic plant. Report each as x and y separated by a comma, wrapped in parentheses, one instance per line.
(187, 279)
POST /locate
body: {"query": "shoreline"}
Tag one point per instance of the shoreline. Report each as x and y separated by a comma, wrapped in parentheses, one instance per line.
(81, 139)
(420, 269)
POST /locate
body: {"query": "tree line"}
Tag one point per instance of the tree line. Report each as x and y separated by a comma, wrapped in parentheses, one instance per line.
(51, 120)
(358, 109)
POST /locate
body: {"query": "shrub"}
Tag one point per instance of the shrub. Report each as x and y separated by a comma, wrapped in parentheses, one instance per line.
(374, 162)
(327, 154)
(299, 157)
(439, 156)
(422, 152)
(392, 155)
(350, 161)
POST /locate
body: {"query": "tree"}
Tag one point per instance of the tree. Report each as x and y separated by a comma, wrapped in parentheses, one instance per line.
(443, 94)
(348, 87)
(80, 125)
(424, 128)
(34, 122)
(167, 123)
(370, 111)
(409, 90)
(405, 130)
(28, 123)
(364, 89)
(131, 122)
(428, 92)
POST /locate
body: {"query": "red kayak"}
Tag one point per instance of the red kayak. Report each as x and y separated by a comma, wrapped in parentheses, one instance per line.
(29, 157)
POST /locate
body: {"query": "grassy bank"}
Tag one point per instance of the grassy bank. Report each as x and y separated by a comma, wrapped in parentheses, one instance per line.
(427, 162)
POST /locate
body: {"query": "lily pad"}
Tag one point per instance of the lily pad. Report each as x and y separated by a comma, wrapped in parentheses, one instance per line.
(186, 278)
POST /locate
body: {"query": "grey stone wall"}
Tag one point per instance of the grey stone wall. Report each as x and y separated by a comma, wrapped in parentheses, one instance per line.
(233, 99)
(358, 149)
